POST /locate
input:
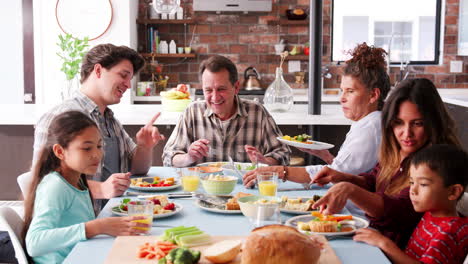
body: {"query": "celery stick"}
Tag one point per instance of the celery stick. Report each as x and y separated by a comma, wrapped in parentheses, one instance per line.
(176, 238)
(186, 230)
(193, 240)
(167, 231)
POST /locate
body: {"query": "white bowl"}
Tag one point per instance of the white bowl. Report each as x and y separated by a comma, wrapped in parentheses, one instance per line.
(250, 209)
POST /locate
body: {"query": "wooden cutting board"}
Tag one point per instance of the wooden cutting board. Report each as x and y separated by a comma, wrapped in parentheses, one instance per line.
(124, 250)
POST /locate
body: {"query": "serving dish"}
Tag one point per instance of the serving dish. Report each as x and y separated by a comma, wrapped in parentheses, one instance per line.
(159, 188)
(117, 211)
(356, 223)
(317, 145)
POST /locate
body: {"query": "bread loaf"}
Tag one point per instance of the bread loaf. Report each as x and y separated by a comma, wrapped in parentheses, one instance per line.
(223, 252)
(278, 244)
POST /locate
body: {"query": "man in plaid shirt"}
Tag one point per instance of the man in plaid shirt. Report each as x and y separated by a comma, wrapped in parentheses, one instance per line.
(106, 74)
(223, 125)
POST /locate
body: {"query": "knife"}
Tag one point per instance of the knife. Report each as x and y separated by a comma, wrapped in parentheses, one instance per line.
(291, 189)
(170, 195)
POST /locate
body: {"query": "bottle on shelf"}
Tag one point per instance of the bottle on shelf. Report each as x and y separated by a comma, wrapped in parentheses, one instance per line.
(172, 47)
(163, 47)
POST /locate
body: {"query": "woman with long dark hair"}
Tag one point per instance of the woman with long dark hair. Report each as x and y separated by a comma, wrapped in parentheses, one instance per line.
(413, 117)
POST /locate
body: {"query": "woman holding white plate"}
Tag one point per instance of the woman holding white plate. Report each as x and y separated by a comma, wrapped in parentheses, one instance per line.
(364, 86)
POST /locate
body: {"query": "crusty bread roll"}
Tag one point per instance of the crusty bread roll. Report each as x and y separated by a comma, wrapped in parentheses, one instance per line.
(323, 226)
(278, 244)
(223, 251)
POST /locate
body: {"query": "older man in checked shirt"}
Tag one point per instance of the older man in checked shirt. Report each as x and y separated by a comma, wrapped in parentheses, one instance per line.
(223, 125)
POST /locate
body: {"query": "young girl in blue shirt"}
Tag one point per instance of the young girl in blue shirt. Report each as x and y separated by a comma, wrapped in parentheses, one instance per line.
(59, 211)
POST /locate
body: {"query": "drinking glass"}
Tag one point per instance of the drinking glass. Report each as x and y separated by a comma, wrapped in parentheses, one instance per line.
(190, 179)
(267, 183)
(267, 214)
(142, 208)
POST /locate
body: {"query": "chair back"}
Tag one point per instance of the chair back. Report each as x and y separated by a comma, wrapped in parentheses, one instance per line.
(24, 180)
(462, 205)
(14, 224)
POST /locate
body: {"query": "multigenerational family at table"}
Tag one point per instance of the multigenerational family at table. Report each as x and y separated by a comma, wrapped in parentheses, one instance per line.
(401, 164)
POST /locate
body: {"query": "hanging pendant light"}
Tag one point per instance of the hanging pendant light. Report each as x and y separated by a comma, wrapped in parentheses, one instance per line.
(166, 6)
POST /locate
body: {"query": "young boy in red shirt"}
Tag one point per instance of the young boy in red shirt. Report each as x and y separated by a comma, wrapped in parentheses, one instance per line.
(438, 178)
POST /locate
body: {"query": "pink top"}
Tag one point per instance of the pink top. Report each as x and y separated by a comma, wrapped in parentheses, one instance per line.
(439, 240)
(399, 218)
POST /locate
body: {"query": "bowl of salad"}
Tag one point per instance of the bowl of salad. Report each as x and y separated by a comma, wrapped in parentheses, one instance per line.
(241, 168)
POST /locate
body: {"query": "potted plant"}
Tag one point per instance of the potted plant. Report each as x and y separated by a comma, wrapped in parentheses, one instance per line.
(71, 54)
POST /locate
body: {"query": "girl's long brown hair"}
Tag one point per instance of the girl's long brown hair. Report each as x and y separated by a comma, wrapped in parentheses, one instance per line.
(63, 129)
(368, 66)
(438, 125)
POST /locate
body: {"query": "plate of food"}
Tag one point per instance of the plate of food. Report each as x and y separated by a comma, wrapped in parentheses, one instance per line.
(298, 205)
(221, 204)
(327, 225)
(154, 184)
(217, 164)
(162, 207)
(304, 141)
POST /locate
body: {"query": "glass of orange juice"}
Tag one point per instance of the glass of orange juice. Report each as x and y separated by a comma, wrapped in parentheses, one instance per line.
(142, 208)
(190, 179)
(267, 183)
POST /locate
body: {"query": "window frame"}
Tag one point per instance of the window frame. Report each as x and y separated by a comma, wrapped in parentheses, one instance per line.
(437, 51)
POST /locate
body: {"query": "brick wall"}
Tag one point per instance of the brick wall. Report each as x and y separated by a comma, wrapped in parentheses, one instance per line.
(248, 40)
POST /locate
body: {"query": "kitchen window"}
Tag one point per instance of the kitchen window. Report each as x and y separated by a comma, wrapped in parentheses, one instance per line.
(410, 29)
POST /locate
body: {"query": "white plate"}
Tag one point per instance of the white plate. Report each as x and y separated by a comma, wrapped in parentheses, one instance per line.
(316, 145)
(358, 223)
(162, 188)
(295, 212)
(216, 210)
(115, 210)
(218, 164)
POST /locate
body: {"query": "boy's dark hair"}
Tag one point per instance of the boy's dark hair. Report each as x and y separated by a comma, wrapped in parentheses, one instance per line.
(109, 55)
(448, 161)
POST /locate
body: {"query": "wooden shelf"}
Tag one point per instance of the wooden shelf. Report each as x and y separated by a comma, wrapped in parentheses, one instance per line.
(165, 21)
(159, 55)
(284, 21)
(297, 57)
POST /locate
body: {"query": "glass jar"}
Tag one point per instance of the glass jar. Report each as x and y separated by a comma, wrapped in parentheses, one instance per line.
(279, 95)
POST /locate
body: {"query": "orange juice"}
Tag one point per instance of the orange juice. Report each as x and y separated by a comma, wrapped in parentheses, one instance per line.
(148, 220)
(267, 188)
(190, 183)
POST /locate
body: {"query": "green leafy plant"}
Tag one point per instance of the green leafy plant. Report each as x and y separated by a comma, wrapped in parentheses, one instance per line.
(71, 52)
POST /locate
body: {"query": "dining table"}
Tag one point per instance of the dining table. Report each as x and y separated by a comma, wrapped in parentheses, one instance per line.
(96, 249)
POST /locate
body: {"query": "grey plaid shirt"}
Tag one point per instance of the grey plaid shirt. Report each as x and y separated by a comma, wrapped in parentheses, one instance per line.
(251, 125)
(80, 102)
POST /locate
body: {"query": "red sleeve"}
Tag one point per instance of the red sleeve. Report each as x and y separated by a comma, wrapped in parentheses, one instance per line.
(447, 246)
(371, 178)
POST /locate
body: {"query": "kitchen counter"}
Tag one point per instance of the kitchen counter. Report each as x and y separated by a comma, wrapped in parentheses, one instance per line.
(29, 114)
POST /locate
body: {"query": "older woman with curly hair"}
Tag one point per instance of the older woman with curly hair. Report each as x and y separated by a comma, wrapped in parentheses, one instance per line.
(365, 84)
